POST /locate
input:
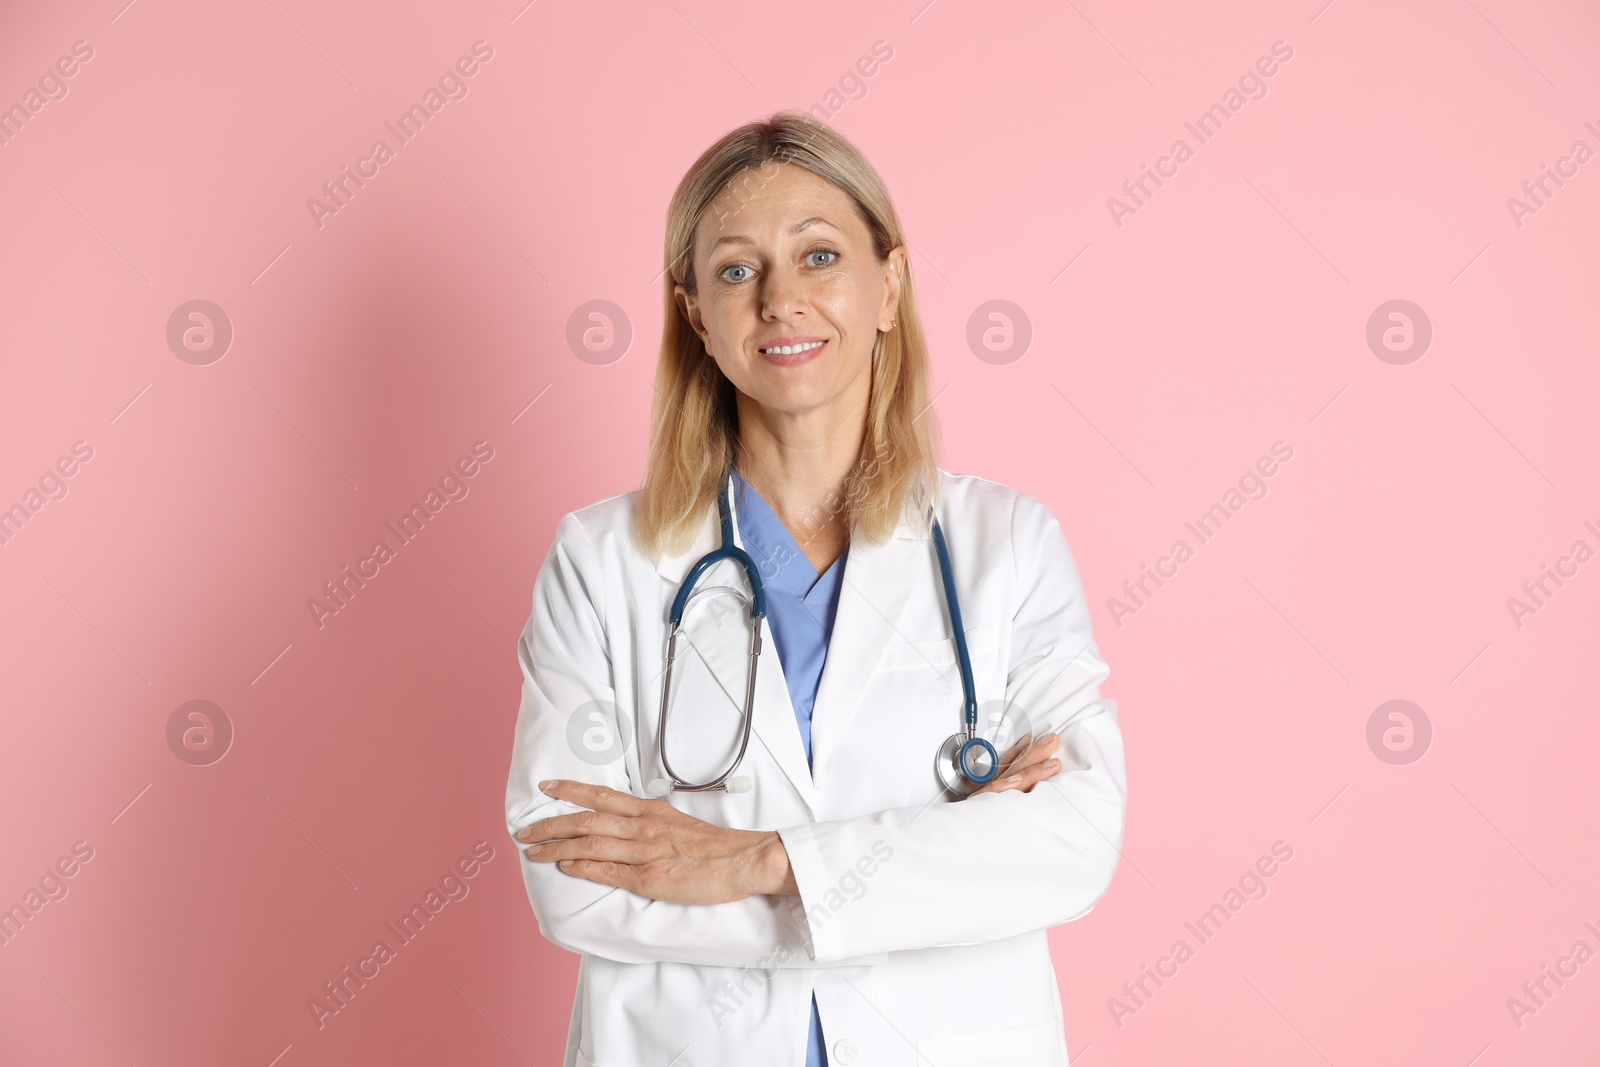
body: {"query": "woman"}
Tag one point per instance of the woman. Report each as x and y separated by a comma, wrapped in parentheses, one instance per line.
(847, 907)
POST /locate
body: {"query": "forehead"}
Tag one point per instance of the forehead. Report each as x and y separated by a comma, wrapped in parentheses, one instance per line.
(762, 205)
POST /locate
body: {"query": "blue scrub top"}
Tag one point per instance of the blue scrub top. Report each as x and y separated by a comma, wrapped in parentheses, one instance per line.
(800, 609)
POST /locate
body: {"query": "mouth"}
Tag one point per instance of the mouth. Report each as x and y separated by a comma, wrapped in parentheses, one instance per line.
(802, 350)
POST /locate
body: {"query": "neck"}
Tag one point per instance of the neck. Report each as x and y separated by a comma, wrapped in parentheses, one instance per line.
(799, 464)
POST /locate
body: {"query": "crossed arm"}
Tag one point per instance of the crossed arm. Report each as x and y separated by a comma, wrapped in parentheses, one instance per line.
(650, 848)
(635, 880)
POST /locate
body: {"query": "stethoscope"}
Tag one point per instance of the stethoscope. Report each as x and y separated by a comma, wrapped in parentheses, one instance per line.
(963, 762)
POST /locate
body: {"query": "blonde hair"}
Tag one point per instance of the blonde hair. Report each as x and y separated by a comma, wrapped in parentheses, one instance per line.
(693, 421)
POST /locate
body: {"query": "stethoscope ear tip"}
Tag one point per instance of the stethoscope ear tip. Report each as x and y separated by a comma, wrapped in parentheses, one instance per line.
(738, 784)
(659, 787)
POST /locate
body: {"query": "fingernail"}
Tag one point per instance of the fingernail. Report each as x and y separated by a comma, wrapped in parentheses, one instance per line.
(1052, 763)
(544, 787)
(535, 850)
(522, 835)
(566, 863)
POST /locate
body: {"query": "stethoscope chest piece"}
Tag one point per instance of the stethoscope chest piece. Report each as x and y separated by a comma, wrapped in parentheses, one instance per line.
(964, 764)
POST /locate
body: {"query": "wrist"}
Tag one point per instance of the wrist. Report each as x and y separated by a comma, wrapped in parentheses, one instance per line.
(776, 874)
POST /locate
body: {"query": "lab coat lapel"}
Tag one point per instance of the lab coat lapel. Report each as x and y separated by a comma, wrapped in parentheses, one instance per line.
(872, 601)
(773, 720)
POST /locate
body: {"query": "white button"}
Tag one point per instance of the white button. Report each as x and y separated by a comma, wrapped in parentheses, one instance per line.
(846, 1052)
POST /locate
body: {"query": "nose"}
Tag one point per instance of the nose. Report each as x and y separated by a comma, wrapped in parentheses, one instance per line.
(782, 296)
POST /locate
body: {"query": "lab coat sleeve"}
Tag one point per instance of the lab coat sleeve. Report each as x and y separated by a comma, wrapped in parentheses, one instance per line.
(993, 865)
(567, 681)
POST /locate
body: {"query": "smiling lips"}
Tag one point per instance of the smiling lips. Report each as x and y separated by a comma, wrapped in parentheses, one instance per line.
(792, 351)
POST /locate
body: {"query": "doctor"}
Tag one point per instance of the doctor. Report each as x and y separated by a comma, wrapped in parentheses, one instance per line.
(840, 904)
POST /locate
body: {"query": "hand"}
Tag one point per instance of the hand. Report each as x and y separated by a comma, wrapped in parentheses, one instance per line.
(1025, 765)
(653, 849)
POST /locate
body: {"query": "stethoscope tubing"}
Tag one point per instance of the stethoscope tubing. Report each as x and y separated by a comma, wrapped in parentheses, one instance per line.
(968, 689)
(758, 611)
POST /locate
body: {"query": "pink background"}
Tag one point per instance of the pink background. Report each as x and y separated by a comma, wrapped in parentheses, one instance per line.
(371, 353)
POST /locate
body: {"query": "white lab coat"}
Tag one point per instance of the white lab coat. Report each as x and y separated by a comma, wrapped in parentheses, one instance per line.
(921, 921)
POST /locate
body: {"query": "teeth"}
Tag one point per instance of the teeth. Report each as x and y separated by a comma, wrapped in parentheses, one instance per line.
(789, 350)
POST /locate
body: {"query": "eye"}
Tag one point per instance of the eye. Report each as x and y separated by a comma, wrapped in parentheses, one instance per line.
(723, 273)
(822, 252)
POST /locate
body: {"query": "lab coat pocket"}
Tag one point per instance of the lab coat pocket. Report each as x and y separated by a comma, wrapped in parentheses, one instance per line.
(939, 652)
(1011, 1044)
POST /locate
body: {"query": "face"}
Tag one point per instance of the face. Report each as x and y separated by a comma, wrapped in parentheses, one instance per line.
(784, 261)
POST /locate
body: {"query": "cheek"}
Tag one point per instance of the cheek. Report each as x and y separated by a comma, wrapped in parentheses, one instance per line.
(852, 311)
(727, 318)
(847, 295)
(863, 291)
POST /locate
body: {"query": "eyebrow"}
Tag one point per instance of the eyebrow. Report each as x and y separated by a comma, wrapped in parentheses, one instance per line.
(796, 228)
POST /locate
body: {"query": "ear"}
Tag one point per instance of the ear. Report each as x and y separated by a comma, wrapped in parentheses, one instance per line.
(689, 308)
(894, 266)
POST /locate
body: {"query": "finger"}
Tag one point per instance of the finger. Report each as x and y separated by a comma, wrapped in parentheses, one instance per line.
(577, 824)
(1024, 780)
(997, 785)
(605, 872)
(1032, 745)
(1017, 749)
(589, 847)
(1037, 752)
(1039, 773)
(598, 797)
